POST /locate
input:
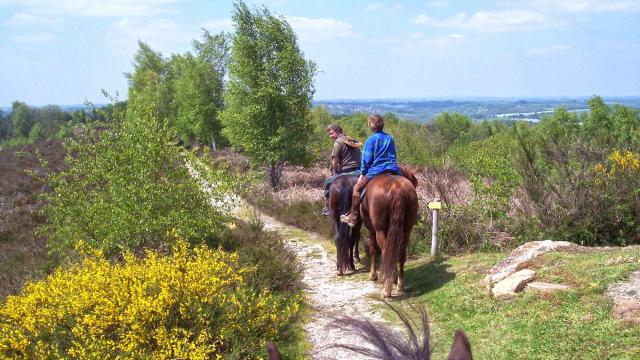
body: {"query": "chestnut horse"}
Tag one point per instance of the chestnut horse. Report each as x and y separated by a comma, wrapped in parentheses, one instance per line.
(345, 238)
(389, 211)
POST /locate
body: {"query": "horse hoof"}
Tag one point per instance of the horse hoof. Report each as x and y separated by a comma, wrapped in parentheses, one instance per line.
(386, 295)
(373, 277)
(339, 273)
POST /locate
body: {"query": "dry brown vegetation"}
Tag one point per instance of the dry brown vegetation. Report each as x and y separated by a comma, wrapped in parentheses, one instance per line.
(23, 254)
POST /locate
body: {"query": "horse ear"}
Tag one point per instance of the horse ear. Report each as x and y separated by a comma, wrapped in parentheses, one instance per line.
(272, 352)
(461, 348)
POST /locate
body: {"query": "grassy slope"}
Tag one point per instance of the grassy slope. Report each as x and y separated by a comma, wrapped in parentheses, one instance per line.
(562, 325)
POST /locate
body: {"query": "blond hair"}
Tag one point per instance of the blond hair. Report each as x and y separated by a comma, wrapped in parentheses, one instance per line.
(375, 122)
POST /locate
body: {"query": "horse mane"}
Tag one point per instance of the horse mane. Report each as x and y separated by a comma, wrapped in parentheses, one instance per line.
(385, 343)
(410, 172)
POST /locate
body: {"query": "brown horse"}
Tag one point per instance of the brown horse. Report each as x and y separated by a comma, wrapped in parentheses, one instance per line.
(345, 238)
(389, 211)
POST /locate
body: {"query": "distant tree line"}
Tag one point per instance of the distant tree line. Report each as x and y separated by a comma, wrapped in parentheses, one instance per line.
(31, 123)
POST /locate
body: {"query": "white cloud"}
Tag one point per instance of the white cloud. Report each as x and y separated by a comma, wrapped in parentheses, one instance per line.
(40, 38)
(320, 28)
(438, 4)
(501, 20)
(420, 42)
(587, 6)
(160, 34)
(96, 8)
(550, 50)
(380, 7)
(27, 19)
(218, 25)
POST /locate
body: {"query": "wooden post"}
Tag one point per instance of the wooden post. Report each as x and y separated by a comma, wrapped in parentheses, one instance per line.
(434, 229)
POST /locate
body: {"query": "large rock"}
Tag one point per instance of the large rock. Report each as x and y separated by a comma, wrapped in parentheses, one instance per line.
(521, 254)
(626, 298)
(513, 283)
(546, 287)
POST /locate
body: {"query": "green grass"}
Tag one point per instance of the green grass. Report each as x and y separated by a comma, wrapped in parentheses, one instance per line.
(574, 324)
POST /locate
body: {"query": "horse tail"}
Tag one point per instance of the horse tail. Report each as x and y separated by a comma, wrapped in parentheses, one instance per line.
(343, 246)
(395, 236)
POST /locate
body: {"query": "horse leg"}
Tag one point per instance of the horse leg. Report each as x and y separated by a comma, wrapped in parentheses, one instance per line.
(356, 238)
(336, 242)
(402, 260)
(388, 278)
(373, 253)
(352, 266)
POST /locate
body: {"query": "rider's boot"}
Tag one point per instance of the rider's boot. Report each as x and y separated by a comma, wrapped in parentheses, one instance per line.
(353, 216)
(325, 209)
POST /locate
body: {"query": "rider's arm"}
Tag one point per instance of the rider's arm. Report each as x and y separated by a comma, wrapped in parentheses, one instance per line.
(335, 165)
(367, 156)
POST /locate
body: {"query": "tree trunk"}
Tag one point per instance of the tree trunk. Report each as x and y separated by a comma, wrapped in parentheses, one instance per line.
(275, 173)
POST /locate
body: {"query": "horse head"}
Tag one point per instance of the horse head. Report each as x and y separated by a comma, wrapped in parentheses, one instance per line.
(380, 342)
(410, 172)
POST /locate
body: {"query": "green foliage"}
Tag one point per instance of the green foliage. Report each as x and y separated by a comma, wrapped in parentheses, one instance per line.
(197, 97)
(568, 165)
(489, 164)
(148, 86)
(21, 119)
(450, 129)
(125, 188)
(5, 127)
(37, 133)
(269, 92)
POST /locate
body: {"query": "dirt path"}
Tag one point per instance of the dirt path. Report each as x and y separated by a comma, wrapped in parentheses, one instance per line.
(327, 294)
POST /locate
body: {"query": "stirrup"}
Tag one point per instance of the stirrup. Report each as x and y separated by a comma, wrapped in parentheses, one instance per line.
(325, 211)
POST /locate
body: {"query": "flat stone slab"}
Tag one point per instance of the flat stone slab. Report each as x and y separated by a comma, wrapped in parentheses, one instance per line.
(547, 287)
(521, 254)
(626, 298)
(513, 283)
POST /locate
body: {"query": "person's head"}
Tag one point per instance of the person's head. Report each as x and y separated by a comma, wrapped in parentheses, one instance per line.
(334, 131)
(375, 122)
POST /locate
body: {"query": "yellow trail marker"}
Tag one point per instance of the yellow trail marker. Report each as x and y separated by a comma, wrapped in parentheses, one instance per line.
(435, 205)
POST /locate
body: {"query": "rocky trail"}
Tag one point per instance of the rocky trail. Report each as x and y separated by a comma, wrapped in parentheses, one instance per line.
(329, 296)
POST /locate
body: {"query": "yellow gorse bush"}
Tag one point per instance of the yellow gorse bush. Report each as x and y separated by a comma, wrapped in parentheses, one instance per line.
(623, 161)
(193, 304)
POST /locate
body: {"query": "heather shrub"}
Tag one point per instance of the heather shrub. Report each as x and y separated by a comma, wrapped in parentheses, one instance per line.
(580, 177)
(193, 303)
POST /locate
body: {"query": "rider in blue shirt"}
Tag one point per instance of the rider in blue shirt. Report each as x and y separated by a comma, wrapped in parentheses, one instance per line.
(378, 157)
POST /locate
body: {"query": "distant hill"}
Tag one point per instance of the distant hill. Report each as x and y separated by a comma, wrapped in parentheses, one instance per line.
(530, 109)
(66, 108)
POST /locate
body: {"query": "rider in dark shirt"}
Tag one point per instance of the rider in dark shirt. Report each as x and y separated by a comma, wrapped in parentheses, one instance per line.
(345, 158)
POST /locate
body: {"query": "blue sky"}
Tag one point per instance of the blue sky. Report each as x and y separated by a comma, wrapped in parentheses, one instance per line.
(64, 51)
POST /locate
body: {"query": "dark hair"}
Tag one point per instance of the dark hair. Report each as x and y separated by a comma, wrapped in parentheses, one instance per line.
(375, 122)
(335, 128)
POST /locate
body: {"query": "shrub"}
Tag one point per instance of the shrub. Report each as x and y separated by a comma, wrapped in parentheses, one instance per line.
(493, 177)
(579, 176)
(267, 251)
(125, 188)
(193, 304)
